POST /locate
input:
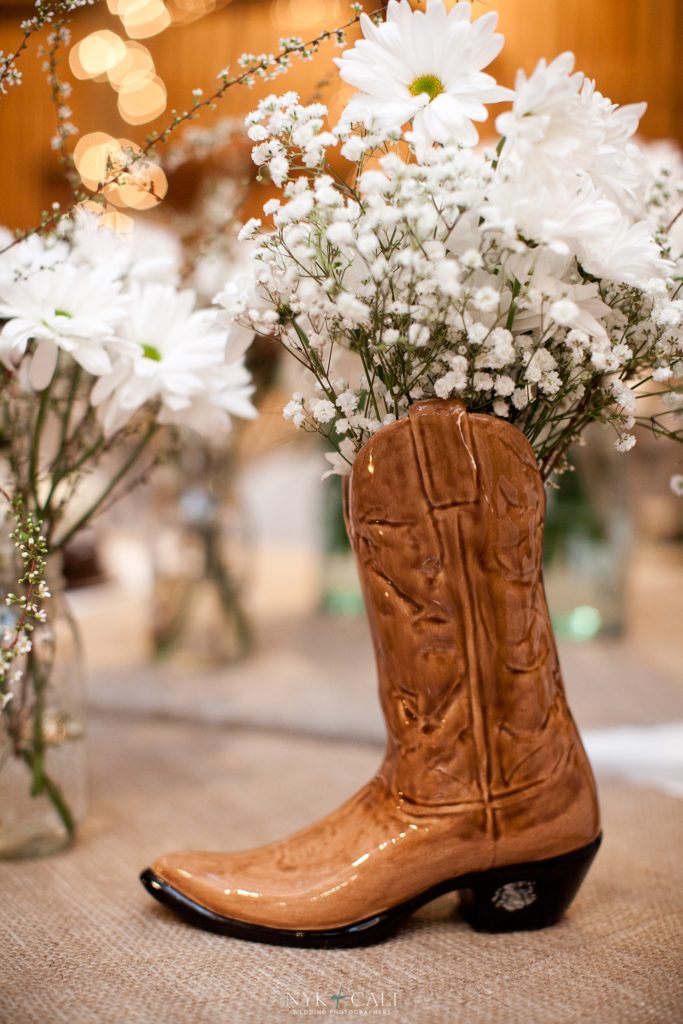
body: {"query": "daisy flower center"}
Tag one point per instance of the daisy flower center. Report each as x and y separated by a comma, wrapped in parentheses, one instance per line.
(150, 352)
(430, 84)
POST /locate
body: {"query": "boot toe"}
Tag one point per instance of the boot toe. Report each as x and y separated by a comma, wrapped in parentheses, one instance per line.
(186, 870)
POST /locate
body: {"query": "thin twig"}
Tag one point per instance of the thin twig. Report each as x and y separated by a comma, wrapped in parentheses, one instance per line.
(160, 138)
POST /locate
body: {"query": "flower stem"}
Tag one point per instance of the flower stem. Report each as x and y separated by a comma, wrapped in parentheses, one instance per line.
(34, 456)
(34, 757)
(117, 477)
(35, 763)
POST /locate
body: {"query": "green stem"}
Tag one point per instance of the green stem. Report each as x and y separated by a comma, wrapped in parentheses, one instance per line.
(115, 480)
(550, 460)
(34, 758)
(34, 455)
(52, 791)
(228, 590)
(66, 418)
(47, 513)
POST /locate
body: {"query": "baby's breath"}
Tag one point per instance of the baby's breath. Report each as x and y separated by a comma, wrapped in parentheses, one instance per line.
(28, 602)
(428, 277)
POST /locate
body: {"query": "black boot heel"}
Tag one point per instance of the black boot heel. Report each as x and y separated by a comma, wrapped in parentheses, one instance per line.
(526, 896)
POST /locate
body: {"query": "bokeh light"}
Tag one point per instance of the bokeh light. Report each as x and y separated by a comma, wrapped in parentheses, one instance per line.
(92, 156)
(109, 216)
(184, 11)
(96, 54)
(137, 60)
(292, 16)
(141, 98)
(99, 156)
(146, 191)
(584, 622)
(143, 18)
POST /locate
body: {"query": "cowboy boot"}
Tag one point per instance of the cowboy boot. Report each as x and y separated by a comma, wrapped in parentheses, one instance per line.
(485, 786)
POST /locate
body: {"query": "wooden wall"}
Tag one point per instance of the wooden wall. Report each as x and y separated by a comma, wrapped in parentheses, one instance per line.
(632, 48)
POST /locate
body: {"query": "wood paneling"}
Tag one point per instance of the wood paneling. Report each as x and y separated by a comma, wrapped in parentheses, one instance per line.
(629, 46)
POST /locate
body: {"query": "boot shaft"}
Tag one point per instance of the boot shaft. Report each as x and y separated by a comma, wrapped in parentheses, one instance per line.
(445, 514)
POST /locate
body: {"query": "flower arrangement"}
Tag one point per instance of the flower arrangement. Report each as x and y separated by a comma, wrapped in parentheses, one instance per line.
(103, 359)
(538, 279)
(99, 347)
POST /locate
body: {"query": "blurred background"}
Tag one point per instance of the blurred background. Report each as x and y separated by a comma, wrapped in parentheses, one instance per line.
(227, 663)
(223, 589)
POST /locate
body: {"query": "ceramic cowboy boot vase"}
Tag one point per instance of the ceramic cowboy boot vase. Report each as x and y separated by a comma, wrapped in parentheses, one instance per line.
(485, 786)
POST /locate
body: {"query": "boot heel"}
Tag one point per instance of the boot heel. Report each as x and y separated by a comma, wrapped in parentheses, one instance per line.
(526, 896)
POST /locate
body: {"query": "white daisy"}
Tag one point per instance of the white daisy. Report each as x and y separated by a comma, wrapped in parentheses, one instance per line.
(227, 393)
(179, 357)
(424, 67)
(65, 307)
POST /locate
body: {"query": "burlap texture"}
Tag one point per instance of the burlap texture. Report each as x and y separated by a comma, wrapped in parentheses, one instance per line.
(82, 943)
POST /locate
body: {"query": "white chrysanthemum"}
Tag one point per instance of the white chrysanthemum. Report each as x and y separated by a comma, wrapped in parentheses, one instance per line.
(548, 275)
(544, 124)
(560, 126)
(424, 67)
(179, 359)
(618, 164)
(583, 223)
(65, 307)
(627, 254)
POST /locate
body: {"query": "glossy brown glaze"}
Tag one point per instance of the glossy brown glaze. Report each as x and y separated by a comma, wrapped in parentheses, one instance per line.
(484, 766)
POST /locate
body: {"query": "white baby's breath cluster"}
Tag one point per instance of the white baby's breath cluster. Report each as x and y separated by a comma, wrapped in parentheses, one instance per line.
(110, 304)
(27, 606)
(536, 281)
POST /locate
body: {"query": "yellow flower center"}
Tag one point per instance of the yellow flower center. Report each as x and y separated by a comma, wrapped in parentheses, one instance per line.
(430, 84)
(150, 352)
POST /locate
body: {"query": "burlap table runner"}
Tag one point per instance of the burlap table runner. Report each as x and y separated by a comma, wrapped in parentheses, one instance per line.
(81, 943)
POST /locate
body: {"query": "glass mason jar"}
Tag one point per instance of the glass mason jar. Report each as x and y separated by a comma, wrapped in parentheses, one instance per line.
(199, 568)
(587, 542)
(42, 729)
(341, 593)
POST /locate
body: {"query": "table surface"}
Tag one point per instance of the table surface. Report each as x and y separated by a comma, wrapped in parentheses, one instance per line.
(83, 944)
(216, 760)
